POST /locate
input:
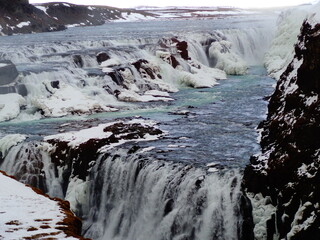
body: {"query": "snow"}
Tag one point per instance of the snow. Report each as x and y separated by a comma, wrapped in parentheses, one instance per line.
(132, 17)
(311, 100)
(10, 106)
(68, 100)
(23, 24)
(9, 141)
(129, 96)
(297, 225)
(262, 212)
(42, 8)
(24, 213)
(75, 139)
(3, 65)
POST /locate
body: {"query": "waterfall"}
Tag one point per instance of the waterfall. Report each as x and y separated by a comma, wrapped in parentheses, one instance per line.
(135, 196)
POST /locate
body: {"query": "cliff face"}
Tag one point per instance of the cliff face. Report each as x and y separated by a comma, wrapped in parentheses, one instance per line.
(287, 170)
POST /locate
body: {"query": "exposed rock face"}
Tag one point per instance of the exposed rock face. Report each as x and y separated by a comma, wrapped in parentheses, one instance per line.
(8, 72)
(288, 167)
(19, 16)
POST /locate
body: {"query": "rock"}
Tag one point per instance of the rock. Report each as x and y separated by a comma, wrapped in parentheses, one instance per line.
(102, 56)
(288, 168)
(77, 59)
(22, 90)
(8, 72)
(55, 84)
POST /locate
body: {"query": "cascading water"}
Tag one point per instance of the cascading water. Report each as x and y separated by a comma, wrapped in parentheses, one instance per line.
(135, 196)
(141, 198)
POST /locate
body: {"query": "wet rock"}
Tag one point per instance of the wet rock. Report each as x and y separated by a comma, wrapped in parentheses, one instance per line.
(77, 59)
(102, 56)
(22, 90)
(8, 72)
(288, 168)
(55, 84)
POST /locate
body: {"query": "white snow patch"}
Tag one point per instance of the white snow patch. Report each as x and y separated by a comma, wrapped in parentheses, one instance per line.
(310, 100)
(75, 139)
(3, 65)
(23, 24)
(10, 106)
(21, 209)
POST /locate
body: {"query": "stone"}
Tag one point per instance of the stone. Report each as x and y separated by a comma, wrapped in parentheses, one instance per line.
(102, 56)
(8, 72)
(288, 168)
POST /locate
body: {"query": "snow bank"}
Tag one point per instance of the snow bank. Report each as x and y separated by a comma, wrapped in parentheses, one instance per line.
(26, 214)
(10, 106)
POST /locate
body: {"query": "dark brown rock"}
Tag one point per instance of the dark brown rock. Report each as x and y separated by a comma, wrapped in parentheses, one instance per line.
(288, 167)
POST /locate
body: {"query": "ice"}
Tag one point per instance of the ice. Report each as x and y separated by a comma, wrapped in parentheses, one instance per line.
(10, 106)
(227, 60)
(68, 100)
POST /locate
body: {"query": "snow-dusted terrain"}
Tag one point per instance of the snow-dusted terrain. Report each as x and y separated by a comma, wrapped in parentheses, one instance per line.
(134, 178)
(26, 214)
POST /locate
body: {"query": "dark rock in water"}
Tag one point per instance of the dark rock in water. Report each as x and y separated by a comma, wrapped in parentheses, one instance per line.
(102, 56)
(55, 84)
(6, 90)
(22, 90)
(78, 61)
(116, 77)
(288, 169)
(182, 47)
(141, 64)
(8, 72)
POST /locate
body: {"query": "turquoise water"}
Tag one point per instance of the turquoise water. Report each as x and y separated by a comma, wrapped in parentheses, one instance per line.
(204, 125)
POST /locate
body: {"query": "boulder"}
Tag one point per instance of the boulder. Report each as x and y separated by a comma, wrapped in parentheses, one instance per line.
(8, 72)
(102, 56)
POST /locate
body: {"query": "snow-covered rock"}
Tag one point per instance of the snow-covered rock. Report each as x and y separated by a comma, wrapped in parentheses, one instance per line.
(288, 168)
(28, 214)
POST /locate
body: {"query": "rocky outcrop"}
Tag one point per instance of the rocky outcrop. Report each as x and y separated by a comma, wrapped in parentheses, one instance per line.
(287, 169)
(21, 17)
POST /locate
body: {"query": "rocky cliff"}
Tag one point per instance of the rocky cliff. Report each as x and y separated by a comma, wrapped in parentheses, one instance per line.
(287, 170)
